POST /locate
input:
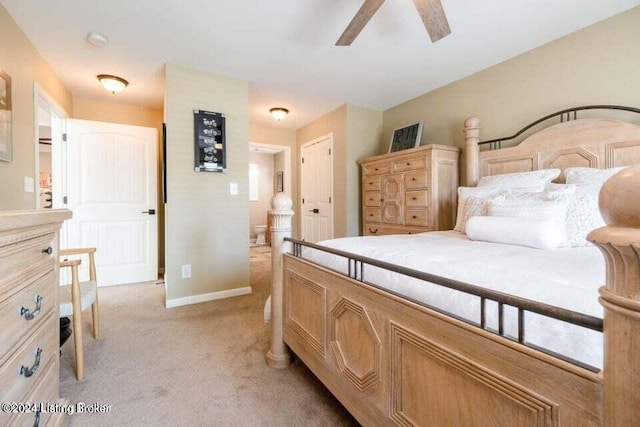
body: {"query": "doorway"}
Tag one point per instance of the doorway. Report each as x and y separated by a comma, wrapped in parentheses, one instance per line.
(316, 189)
(269, 174)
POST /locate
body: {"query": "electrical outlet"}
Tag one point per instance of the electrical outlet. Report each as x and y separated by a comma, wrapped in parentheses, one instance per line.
(29, 184)
(233, 188)
(186, 271)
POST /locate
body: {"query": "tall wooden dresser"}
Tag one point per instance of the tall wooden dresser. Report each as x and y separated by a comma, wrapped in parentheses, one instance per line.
(410, 191)
(29, 325)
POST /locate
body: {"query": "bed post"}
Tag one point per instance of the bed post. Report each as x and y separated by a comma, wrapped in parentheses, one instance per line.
(472, 151)
(278, 356)
(619, 241)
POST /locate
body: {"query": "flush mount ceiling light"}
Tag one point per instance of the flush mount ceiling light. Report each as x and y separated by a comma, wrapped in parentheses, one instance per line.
(97, 39)
(279, 113)
(113, 84)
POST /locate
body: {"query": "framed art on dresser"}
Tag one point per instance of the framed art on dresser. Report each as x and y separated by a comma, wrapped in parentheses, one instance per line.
(406, 137)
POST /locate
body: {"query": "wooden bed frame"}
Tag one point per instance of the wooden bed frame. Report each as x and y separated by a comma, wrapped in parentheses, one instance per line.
(392, 361)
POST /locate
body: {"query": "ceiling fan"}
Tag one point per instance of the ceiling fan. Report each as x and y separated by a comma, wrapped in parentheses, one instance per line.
(431, 12)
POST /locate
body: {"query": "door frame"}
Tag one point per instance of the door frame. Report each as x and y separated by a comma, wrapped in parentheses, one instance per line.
(42, 99)
(328, 136)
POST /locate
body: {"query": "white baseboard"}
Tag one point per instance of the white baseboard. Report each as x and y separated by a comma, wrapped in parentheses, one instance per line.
(211, 296)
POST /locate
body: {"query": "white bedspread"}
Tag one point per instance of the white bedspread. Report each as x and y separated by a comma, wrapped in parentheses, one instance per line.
(566, 277)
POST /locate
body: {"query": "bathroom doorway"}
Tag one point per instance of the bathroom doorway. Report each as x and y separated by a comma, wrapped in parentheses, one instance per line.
(269, 173)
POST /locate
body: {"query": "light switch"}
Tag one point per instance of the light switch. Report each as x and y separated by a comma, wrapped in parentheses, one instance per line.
(28, 184)
(233, 188)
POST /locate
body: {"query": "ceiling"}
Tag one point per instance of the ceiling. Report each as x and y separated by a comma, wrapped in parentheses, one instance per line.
(285, 48)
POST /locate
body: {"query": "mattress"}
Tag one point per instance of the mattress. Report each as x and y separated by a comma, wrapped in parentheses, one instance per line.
(568, 278)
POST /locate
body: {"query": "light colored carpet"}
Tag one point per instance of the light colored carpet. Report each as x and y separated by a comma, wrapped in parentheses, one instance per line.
(197, 365)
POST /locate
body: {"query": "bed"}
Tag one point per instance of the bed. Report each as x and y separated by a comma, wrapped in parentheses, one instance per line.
(432, 329)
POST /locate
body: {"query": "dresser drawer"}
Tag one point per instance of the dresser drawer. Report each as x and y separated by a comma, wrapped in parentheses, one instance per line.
(377, 168)
(416, 179)
(383, 230)
(416, 218)
(410, 164)
(13, 384)
(372, 198)
(372, 215)
(415, 199)
(371, 183)
(14, 322)
(23, 261)
(45, 391)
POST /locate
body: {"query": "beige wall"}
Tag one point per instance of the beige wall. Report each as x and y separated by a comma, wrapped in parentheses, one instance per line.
(20, 59)
(206, 226)
(258, 208)
(596, 65)
(136, 115)
(364, 131)
(334, 122)
(287, 138)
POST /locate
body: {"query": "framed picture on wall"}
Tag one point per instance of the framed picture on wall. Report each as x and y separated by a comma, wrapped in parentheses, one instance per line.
(6, 143)
(406, 137)
(279, 182)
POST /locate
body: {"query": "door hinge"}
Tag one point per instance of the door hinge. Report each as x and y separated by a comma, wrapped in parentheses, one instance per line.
(303, 160)
(64, 199)
(329, 151)
(303, 201)
(64, 137)
(329, 199)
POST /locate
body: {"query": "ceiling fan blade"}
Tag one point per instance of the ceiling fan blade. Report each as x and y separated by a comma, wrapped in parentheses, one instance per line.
(367, 10)
(433, 17)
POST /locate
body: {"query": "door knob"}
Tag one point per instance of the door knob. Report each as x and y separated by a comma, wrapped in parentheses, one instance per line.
(150, 212)
(315, 210)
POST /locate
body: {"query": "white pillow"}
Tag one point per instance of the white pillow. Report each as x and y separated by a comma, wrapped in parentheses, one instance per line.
(590, 176)
(533, 181)
(533, 233)
(583, 215)
(554, 210)
(463, 194)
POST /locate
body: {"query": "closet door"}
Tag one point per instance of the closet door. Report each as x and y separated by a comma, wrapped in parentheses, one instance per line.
(112, 191)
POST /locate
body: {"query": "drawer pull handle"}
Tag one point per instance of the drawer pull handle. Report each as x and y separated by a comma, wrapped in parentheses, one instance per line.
(413, 179)
(27, 372)
(48, 251)
(373, 231)
(30, 315)
(370, 183)
(376, 168)
(414, 217)
(382, 200)
(408, 164)
(414, 198)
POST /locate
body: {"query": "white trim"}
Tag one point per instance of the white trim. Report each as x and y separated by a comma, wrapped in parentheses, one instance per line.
(211, 296)
(288, 167)
(328, 136)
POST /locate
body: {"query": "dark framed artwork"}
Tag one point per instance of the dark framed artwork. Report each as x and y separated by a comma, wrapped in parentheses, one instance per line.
(279, 182)
(6, 143)
(210, 146)
(406, 137)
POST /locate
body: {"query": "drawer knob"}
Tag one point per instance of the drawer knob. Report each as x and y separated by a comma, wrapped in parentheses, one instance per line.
(414, 198)
(48, 251)
(370, 183)
(373, 231)
(414, 217)
(376, 168)
(413, 179)
(30, 315)
(382, 200)
(408, 164)
(27, 372)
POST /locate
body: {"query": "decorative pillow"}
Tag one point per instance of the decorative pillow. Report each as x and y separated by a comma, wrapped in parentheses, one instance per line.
(583, 215)
(463, 194)
(476, 206)
(533, 233)
(532, 181)
(553, 210)
(590, 176)
(552, 192)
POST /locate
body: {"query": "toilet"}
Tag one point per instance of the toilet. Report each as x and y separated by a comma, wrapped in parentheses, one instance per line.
(260, 232)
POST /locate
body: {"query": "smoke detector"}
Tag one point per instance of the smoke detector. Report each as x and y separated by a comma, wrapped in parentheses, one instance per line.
(96, 39)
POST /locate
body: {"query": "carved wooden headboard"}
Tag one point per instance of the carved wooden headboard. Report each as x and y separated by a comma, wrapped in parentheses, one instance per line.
(596, 143)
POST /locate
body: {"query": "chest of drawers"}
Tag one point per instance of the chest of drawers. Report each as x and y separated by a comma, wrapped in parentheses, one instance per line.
(410, 191)
(29, 332)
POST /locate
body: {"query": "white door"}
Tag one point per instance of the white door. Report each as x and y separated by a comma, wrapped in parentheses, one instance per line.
(317, 190)
(112, 191)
